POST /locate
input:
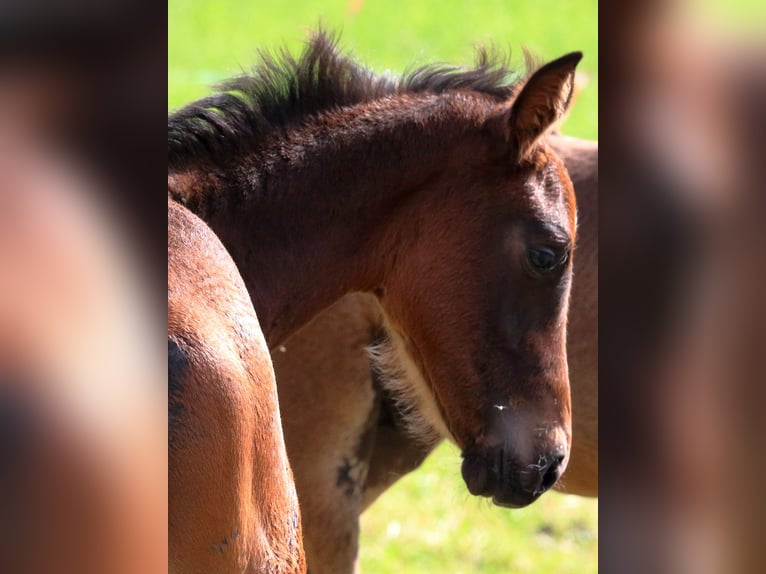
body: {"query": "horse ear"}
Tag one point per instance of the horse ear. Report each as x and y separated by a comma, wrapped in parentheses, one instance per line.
(542, 102)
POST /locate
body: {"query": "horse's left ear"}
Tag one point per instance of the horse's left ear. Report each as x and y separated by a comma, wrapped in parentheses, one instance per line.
(543, 100)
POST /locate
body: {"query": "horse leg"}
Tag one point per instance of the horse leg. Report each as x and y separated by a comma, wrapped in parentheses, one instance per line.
(394, 455)
(329, 411)
(332, 510)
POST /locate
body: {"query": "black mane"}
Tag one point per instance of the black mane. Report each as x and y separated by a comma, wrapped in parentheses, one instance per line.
(282, 90)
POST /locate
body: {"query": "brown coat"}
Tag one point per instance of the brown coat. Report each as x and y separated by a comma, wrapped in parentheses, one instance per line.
(344, 445)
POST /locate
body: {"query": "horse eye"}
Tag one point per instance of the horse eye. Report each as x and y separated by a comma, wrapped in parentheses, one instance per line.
(544, 259)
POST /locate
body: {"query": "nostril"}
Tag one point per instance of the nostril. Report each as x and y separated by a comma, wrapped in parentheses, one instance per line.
(551, 474)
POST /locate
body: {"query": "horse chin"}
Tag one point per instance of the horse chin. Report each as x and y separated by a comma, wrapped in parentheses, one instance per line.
(515, 499)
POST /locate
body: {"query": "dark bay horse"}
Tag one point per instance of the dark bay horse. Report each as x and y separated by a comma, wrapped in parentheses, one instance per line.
(363, 446)
(436, 193)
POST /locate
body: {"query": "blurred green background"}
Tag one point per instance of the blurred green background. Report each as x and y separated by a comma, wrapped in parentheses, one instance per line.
(213, 39)
(428, 522)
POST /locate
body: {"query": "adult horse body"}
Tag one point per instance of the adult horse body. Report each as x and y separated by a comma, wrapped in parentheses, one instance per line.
(437, 194)
(363, 446)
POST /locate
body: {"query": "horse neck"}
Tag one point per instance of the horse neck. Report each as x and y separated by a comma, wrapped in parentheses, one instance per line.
(320, 212)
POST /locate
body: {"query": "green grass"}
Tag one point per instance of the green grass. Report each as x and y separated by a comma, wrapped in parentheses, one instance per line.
(210, 40)
(428, 522)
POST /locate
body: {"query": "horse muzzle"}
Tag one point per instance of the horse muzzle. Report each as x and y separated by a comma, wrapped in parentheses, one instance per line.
(498, 473)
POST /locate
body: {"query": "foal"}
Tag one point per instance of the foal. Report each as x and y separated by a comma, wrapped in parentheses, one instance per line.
(363, 446)
(437, 194)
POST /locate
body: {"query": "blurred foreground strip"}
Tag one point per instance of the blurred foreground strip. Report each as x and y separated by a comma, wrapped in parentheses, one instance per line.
(83, 419)
(82, 393)
(682, 279)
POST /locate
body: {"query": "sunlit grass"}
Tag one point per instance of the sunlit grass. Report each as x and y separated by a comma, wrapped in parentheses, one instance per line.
(211, 40)
(429, 523)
